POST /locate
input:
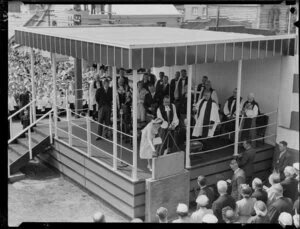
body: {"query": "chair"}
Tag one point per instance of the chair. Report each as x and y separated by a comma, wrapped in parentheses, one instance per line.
(261, 122)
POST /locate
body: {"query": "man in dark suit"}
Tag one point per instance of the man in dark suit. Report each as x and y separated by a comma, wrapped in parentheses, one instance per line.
(289, 184)
(174, 87)
(205, 190)
(238, 178)
(151, 101)
(104, 100)
(223, 201)
(282, 159)
(259, 193)
(159, 83)
(246, 161)
(281, 204)
(181, 103)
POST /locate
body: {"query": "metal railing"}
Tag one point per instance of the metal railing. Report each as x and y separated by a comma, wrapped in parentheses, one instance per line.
(85, 127)
(252, 136)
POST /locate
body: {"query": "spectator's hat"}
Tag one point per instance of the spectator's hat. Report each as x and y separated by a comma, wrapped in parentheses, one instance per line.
(209, 218)
(246, 191)
(182, 208)
(277, 188)
(162, 212)
(202, 200)
(285, 219)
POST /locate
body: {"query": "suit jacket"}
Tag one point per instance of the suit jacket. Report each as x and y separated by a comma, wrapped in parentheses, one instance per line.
(246, 162)
(236, 181)
(290, 188)
(209, 192)
(180, 88)
(220, 203)
(260, 194)
(282, 204)
(280, 163)
(149, 101)
(104, 98)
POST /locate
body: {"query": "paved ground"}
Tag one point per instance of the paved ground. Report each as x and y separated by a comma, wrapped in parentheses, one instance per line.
(46, 196)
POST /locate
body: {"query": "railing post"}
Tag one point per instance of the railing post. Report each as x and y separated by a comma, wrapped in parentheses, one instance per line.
(88, 136)
(32, 82)
(50, 127)
(29, 134)
(69, 126)
(53, 60)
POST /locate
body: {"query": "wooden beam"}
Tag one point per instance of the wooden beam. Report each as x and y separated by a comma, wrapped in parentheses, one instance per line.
(78, 84)
(115, 136)
(188, 116)
(238, 104)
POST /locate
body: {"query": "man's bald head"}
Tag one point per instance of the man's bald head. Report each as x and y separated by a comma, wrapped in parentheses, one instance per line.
(251, 97)
(99, 217)
(222, 186)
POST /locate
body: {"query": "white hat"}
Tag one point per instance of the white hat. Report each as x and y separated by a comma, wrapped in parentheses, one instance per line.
(202, 200)
(285, 219)
(182, 208)
(209, 218)
(296, 166)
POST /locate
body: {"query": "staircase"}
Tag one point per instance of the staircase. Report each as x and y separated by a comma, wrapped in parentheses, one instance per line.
(18, 152)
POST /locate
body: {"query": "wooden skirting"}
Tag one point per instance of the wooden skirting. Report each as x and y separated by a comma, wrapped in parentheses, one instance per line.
(126, 196)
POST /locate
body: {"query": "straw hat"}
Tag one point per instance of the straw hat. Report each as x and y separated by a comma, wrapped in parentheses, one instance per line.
(260, 208)
(183, 208)
(285, 219)
(209, 218)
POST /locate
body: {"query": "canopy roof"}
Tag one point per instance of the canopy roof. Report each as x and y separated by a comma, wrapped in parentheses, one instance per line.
(137, 47)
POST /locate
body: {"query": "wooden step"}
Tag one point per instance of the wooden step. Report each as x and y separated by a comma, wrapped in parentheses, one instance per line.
(12, 155)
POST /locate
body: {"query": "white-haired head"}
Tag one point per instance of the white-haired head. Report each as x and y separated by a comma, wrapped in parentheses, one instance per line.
(289, 171)
(222, 186)
(251, 97)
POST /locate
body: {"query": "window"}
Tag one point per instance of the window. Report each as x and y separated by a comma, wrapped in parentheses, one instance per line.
(194, 11)
(204, 11)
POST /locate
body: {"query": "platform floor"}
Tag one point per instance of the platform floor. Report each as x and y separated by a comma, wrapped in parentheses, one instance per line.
(80, 137)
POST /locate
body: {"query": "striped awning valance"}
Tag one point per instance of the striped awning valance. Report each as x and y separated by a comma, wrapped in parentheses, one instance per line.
(138, 55)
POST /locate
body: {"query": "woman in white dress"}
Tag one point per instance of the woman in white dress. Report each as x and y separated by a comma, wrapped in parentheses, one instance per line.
(147, 148)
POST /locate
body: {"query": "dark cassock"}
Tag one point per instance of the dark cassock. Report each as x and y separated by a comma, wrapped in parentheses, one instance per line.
(230, 112)
(167, 112)
(151, 103)
(207, 114)
(250, 111)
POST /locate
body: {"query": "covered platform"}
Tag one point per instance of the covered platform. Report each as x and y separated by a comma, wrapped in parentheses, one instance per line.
(219, 55)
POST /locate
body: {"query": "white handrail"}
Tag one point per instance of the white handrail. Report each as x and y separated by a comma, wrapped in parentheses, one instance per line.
(23, 108)
(29, 127)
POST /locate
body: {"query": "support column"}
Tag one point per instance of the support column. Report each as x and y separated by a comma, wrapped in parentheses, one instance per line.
(238, 104)
(78, 85)
(134, 124)
(33, 89)
(188, 118)
(115, 135)
(53, 60)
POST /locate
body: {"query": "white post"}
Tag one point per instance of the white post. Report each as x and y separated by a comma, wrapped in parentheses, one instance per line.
(29, 134)
(69, 126)
(238, 104)
(134, 126)
(88, 136)
(115, 135)
(289, 21)
(53, 60)
(32, 83)
(50, 128)
(188, 118)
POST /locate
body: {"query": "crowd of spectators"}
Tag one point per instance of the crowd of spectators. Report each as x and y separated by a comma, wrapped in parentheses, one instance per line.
(253, 203)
